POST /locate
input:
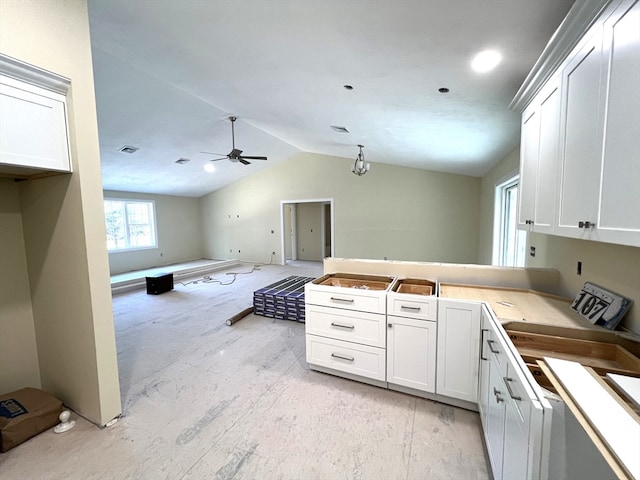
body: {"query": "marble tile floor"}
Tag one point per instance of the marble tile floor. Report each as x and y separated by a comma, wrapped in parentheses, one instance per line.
(203, 400)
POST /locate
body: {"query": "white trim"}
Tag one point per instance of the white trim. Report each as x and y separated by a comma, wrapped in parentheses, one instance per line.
(25, 72)
(282, 232)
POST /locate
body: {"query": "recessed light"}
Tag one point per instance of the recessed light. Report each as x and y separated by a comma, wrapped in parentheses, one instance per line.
(209, 167)
(486, 61)
(129, 149)
(339, 129)
(348, 87)
(443, 90)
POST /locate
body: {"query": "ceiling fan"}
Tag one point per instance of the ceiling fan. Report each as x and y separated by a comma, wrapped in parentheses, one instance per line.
(234, 155)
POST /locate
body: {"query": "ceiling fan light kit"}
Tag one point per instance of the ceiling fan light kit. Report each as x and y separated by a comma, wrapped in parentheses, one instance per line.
(360, 167)
(235, 155)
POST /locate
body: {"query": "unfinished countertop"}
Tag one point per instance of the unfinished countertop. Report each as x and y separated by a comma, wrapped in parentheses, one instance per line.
(520, 305)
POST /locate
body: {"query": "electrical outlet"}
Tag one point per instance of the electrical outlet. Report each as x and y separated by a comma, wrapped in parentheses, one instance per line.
(532, 251)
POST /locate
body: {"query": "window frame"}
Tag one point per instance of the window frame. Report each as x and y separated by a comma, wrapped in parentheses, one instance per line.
(153, 224)
(502, 186)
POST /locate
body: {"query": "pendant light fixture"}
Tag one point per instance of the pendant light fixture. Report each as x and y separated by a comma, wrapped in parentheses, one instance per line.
(359, 166)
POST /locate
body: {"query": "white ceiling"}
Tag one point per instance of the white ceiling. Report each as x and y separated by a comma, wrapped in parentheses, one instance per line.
(169, 73)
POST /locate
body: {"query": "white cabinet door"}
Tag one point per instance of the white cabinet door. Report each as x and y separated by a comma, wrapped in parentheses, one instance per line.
(540, 160)
(494, 430)
(34, 127)
(529, 152)
(619, 220)
(582, 120)
(548, 157)
(458, 349)
(518, 409)
(411, 353)
(483, 380)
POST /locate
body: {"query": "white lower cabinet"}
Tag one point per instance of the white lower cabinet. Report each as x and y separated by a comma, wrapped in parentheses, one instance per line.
(510, 411)
(458, 349)
(411, 353)
(352, 358)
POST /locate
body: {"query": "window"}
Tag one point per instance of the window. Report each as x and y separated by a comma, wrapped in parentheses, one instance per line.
(130, 224)
(509, 242)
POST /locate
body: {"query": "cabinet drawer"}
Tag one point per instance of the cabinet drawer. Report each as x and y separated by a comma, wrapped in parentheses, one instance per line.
(520, 394)
(495, 349)
(346, 357)
(359, 327)
(349, 299)
(412, 306)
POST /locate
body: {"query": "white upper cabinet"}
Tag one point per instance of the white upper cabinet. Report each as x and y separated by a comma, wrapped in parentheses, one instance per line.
(587, 118)
(33, 120)
(539, 160)
(619, 215)
(582, 122)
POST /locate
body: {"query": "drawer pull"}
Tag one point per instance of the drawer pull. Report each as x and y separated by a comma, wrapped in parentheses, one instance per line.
(350, 327)
(506, 382)
(345, 300)
(412, 309)
(342, 357)
(481, 342)
(490, 343)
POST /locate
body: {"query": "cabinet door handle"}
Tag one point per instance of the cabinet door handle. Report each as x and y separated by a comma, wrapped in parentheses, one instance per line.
(586, 224)
(342, 357)
(482, 342)
(389, 325)
(350, 327)
(490, 343)
(506, 382)
(345, 300)
(497, 393)
(413, 309)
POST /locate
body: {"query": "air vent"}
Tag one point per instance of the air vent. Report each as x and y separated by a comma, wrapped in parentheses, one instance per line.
(182, 161)
(129, 149)
(339, 129)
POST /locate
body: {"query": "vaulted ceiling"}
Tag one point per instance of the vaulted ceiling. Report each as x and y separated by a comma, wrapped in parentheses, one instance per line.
(169, 73)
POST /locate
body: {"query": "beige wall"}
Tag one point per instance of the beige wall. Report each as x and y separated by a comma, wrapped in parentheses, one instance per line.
(18, 351)
(309, 231)
(401, 213)
(178, 228)
(615, 267)
(63, 219)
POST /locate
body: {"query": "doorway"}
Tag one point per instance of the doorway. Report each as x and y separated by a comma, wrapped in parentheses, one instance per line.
(307, 229)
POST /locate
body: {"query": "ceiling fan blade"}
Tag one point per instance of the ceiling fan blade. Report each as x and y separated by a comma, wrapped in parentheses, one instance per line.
(213, 153)
(254, 158)
(217, 159)
(243, 161)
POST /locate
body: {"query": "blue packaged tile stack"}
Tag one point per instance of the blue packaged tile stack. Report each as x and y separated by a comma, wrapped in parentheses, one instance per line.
(283, 300)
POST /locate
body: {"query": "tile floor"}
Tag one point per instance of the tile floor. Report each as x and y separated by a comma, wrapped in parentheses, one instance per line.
(203, 400)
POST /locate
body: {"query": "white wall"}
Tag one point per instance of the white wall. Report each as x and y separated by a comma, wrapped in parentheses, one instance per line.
(63, 220)
(179, 232)
(401, 213)
(18, 350)
(615, 267)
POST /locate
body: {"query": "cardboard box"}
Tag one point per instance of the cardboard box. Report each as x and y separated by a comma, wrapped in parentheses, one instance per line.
(24, 414)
